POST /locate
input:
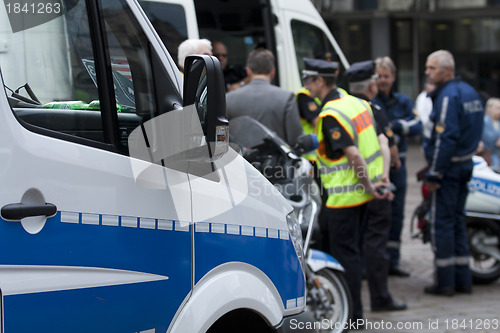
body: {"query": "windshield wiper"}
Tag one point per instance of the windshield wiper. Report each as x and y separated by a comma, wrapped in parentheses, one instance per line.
(18, 100)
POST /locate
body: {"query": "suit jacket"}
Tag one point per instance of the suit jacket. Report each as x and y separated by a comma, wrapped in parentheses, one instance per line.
(272, 106)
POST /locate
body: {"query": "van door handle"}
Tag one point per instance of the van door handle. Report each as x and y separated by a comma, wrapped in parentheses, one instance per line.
(18, 211)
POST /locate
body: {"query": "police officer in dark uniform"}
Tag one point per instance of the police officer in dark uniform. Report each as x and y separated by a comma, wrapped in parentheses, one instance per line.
(361, 77)
(404, 122)
(457, 116)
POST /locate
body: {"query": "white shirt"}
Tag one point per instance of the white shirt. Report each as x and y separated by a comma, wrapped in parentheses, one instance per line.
(423, 105)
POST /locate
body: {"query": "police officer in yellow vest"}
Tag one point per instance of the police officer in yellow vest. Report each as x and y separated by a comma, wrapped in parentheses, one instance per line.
(309, 109)
(362, 84)
(350, 165)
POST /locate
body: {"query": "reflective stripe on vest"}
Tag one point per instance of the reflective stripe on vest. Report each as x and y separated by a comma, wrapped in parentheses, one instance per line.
(358, 188)
(339, 179)
(345, 166)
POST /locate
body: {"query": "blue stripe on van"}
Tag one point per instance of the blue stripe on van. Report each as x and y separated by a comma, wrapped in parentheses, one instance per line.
(122, 308)
(140, 244)
(273, 255)
(130, 308)
(155, 251)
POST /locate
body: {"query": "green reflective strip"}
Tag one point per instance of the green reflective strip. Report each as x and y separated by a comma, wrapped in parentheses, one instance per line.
(373, 157)
(345, 166)
(351, 188)
(323, 170)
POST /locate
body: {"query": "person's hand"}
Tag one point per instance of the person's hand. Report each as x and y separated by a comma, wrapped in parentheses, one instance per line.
(396, 164)
(380, 194)
(432, 187)
(235, 86)
(396, 126)
(497, 144)
(480, 147)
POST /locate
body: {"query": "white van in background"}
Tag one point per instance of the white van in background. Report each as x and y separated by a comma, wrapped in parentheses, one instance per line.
(123, 209)
(292, 29)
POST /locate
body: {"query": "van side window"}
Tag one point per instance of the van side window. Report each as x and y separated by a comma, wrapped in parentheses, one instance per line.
(49, 68)
(310, 42)
(57, 60)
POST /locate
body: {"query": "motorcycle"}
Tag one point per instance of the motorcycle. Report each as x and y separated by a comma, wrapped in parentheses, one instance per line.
(482, 218)
(328, 297)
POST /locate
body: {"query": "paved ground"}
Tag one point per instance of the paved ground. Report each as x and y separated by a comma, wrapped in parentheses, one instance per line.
(479, 312)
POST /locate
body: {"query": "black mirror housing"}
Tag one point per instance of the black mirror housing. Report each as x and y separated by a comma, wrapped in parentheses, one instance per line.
(204, 88)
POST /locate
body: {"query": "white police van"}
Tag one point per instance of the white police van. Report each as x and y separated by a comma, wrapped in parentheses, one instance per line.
(122, 207)
(292, 29)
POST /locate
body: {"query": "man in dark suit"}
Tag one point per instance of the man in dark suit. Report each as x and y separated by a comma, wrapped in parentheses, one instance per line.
(274, 107)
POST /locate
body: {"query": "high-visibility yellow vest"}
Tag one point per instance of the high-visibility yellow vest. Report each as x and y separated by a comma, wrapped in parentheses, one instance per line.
(339, 179)
(307, 127)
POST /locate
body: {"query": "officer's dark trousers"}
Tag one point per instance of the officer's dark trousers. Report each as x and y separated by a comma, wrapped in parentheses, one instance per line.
(376, 258)
(344, 228)
(448, 231)
(398, 178)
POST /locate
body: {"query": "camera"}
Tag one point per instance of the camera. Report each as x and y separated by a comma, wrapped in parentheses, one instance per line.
(382, 189)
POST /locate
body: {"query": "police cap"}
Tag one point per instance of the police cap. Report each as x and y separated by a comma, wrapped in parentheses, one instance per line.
(360, 71)
(318, 67)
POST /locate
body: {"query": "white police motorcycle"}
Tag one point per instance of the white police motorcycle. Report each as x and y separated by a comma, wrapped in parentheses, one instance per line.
(483, 222)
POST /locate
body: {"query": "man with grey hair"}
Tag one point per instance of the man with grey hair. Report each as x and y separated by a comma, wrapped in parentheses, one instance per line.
(272, 106)
(404, 123)
(457, 123)
(362, 84)
(350, 166)
(192, 46)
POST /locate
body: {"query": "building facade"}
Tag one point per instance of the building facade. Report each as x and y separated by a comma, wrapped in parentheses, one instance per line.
(408, 30)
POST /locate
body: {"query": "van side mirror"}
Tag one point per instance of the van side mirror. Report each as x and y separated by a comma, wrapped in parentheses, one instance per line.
(190, 139)
(204, 88)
